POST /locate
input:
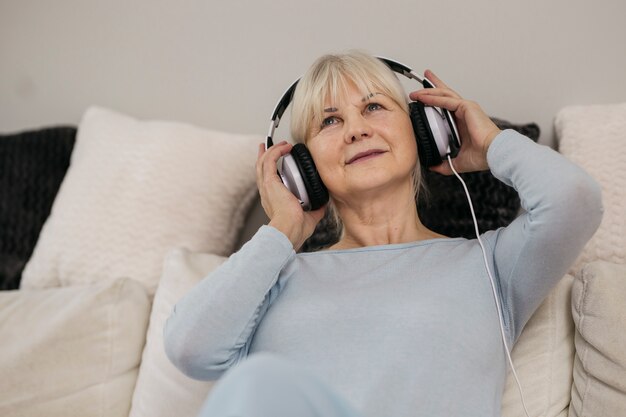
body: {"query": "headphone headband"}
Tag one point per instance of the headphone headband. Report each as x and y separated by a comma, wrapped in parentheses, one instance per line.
(286, 98)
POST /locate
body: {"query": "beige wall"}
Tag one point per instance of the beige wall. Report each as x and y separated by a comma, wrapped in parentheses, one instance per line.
(224, 64)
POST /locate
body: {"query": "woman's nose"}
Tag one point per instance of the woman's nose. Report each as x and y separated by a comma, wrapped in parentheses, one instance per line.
(357, 128)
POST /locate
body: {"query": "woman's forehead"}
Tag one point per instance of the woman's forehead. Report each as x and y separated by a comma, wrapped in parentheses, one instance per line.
(347, 88)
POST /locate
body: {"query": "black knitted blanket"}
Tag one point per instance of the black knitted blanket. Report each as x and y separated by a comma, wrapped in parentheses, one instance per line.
(32, 167)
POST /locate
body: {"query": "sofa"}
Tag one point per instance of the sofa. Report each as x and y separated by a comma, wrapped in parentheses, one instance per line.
(107, 224)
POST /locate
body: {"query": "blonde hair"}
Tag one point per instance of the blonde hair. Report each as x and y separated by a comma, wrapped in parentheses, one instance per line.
(330, 76)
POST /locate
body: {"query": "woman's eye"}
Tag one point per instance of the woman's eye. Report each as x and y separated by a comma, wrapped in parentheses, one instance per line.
(374, 106)
(329, 121)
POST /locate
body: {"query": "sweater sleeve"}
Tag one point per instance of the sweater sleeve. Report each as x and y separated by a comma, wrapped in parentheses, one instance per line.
(210, 328)
(563, 210)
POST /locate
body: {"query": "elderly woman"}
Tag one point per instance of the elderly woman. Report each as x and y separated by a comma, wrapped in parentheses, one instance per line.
(394, 319)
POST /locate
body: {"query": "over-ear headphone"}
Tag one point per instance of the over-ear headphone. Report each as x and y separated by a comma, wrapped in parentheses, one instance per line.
(435, 131)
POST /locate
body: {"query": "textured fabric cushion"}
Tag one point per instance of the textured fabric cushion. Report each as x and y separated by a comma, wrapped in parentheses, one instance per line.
(134, 190)
(594, 138)
(71, 351)
(32, 166)
(162, 390)
(599, 310)
(543, 357)
(444, 207)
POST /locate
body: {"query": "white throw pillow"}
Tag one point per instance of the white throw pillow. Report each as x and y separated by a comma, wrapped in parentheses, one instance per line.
(71, 351)
(135, 189)
(594, 138)
(543, 357)
(162, 390)
(599, 310)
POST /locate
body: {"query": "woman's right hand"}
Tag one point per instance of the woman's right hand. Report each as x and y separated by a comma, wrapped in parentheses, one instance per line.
(280, 205)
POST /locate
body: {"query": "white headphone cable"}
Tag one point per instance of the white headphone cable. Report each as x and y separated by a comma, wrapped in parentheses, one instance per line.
(493, 287)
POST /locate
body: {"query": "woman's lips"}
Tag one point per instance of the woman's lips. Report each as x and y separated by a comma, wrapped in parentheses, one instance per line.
(362, 156)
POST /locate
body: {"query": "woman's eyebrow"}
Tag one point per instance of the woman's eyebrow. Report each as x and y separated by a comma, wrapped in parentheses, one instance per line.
(364, 99)
(370, 95)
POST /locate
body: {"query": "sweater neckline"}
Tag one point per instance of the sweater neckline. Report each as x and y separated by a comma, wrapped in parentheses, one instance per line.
(387, 247)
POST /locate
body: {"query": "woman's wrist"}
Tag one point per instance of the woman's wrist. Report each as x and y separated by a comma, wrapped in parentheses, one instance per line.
(489, 138)
(289, 230)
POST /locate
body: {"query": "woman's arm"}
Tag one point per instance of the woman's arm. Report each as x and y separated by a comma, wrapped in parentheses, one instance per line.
(563, 210)
(210, 328)
(563, 204)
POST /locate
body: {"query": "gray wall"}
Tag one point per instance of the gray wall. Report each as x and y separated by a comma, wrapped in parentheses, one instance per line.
(223, 65)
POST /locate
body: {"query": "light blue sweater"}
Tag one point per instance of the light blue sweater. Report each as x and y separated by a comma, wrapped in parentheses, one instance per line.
(398, 330)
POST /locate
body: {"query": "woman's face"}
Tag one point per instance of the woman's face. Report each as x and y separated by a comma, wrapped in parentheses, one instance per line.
(363, 144)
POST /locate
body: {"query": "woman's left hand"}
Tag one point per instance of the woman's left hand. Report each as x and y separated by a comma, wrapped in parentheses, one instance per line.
(476, 129)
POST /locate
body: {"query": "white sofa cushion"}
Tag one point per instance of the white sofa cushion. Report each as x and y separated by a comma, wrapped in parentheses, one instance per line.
(135, 189)
(71, 351)
(162, 390)
(594, 138)
(599, 310)
(543, 357)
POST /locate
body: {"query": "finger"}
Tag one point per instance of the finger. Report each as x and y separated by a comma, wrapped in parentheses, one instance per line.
(260, 159)
(260, 152)
(442, 92)
(448, 103)
(267, 176)
(437, 91)
(275, 151)
(271, 157)
(438, 82)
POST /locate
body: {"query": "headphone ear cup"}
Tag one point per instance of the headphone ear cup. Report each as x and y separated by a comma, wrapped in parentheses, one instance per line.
(318, 194)
(426, 145)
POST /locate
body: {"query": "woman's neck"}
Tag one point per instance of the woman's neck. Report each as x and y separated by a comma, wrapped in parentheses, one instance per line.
(381, 221)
